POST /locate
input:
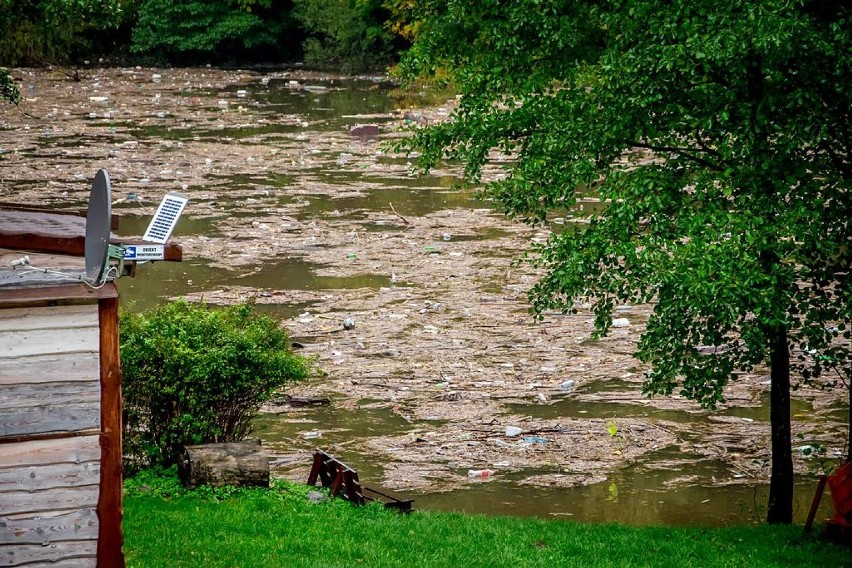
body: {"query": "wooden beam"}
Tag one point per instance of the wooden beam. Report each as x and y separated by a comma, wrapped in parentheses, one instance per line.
(47, 528)
(48, 342)
(64, 368)
(57, 233)
(39, 394)
(110, 536)
(49, 318)
(58, 435)
(55, 295)
(114, 218)
(74, 553)
(50, 500)
(75, 449)
(809, 523)
(54, 419)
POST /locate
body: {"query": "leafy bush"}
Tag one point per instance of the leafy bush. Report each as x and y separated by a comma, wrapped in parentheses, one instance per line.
(195, 374)
(8, 89)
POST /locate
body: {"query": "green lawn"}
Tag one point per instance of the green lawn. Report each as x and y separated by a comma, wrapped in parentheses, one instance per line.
(165, 526)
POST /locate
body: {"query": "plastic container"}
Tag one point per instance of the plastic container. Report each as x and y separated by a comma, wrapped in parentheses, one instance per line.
(481, 473)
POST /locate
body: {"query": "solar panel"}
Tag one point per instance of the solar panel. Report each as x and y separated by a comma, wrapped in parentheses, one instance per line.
(165, 218)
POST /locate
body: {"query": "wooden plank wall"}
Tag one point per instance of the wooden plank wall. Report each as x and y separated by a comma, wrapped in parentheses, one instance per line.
(49, 435)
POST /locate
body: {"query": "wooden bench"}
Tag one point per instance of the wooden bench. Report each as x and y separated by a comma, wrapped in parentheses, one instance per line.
(342, 481)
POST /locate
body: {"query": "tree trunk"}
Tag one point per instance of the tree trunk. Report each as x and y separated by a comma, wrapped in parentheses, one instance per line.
(780, 509)
(234, 463)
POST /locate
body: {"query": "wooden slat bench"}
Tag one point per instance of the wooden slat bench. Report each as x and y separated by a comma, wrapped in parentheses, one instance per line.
(342, 481)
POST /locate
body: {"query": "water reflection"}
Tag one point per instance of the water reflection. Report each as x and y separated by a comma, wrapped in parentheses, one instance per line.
(640, 494)
(165, 280)
(640, 497)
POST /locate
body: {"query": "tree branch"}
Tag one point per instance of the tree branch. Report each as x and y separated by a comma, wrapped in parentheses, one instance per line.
(686, 152)
(844, 168)
(705, 147)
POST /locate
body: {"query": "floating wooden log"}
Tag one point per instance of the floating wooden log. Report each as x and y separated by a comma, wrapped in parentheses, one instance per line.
(300, 402)
(233, 463)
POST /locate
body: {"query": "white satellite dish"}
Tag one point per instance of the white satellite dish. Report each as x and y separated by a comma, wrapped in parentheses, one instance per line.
(98, 221)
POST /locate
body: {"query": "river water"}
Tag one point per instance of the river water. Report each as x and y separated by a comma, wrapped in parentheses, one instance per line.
(651, 490)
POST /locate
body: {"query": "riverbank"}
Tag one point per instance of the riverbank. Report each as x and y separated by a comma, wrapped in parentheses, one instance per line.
(319, 225)
(166, 526)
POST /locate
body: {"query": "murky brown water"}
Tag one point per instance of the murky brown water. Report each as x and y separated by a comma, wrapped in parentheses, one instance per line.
(652, 492)
(289, 208)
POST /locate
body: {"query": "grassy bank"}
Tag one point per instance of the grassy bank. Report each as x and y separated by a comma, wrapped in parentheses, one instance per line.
(166, 526)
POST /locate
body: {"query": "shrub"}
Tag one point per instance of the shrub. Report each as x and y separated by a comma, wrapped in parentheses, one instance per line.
(195, 374)
(8, 89)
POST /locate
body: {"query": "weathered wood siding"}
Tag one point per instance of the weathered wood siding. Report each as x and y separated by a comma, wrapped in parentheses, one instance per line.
(50, 448)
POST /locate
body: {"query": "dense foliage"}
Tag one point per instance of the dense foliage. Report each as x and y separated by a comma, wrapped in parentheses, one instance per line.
(195, 374)
(347, 34)
(716, 134)
(352, 35)
(40, 31)
(220, 29)
(8, 89)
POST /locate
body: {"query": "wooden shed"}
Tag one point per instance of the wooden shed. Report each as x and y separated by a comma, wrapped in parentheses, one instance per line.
(60, 401)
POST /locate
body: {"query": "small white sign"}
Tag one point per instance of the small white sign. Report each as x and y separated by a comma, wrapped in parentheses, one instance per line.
(144, 252)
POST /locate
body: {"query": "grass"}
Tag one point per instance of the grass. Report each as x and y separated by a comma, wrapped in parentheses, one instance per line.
(165, 525)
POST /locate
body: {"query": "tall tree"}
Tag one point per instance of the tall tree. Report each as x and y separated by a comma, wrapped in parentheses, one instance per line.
(718, 136)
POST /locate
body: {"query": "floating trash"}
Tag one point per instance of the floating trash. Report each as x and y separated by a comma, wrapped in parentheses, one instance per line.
(512, 431)
(481, 473)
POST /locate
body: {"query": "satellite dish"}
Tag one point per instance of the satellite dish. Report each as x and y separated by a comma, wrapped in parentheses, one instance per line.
(98, 221)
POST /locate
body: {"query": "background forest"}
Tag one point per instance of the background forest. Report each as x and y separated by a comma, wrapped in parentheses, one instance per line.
(351, 35)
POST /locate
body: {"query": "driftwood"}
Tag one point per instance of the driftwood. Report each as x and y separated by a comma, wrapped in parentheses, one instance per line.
(300, 401)
(234, 463)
